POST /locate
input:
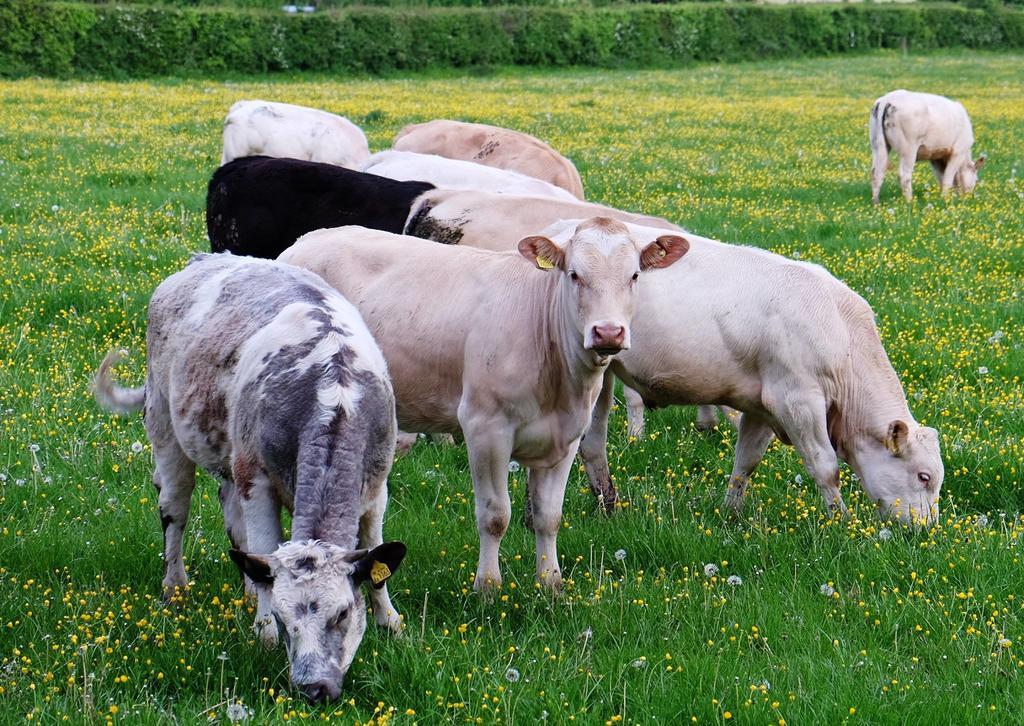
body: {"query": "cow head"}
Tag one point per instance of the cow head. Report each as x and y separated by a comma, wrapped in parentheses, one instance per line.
(967, 177)
(902, 471)
(318, 606)
(600, 267)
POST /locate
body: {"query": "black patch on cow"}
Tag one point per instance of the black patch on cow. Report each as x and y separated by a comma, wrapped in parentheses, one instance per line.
(259, 206)
(486, 150)
(422, 225)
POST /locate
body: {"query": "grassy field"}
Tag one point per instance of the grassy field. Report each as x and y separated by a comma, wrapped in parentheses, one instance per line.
(102, 188)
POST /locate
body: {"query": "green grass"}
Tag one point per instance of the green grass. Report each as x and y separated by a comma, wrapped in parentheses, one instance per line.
(101, 196)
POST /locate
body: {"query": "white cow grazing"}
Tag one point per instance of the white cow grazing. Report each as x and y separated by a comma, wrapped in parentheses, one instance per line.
(454, 174)
(268, 379)
(491, 146)
(282, 130)
(512, 355)
(922, 127)
(792, 348)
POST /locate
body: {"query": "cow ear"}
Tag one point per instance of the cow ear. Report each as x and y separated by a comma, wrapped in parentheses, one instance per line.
(663, 251)
(980, 161)
(257, 567)
(896, 437)
(379, 564)
(542, 252)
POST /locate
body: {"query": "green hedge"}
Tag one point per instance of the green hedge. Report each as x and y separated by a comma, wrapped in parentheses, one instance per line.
(63, 39)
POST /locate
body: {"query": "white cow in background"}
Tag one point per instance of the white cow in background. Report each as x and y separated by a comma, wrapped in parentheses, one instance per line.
(267, 128)
(922, 127)
(447, 173)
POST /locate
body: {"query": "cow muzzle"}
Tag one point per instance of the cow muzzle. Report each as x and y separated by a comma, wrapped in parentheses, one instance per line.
(607, 338)
(320, 691)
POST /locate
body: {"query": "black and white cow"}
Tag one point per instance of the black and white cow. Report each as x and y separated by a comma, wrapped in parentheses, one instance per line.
(269, 379)
(259, 206)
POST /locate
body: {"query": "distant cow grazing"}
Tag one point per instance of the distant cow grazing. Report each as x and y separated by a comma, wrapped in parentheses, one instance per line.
(922, 127)
(268, 379)
(456, 174)
(492, 146)
(259, 206)
(791, 347)
(511, 355)
(267, 128)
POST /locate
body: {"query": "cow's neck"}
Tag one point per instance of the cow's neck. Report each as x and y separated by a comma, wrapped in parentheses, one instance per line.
(329, 481)
(869, 396)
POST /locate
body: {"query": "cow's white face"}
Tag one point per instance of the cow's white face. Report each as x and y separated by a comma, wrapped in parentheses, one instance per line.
(600, 267)
(318, 605)
(967, 178)
(902, 472)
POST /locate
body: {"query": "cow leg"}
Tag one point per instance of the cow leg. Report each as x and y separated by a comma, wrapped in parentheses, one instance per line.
(261, 512)
(707, 419)
(804, 422)
(547, 494)
(634, 411)
(594, 447)
(371, 534)
(906, 173)
(234, 524)
(404, 443)
(489, 444)
(731, 415)
(949, 175)
(879, 163)
(754, 436)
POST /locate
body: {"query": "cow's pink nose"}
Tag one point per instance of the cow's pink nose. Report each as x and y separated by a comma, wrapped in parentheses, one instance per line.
(608, 338)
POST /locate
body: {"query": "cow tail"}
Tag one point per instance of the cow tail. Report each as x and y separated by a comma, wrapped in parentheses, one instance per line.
(877, 127)
(111, 396)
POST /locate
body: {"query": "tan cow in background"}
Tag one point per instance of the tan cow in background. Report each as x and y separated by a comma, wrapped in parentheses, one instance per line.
(491, 146)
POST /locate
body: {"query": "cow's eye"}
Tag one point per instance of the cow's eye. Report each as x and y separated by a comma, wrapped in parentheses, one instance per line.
(924, 477)
(573, 276)
(636, 275)
(339, 618)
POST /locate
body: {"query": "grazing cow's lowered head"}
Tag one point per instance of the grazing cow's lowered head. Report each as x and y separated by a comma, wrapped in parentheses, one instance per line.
(318, 605)
(967, 177)
(600, 266)
(901, 471)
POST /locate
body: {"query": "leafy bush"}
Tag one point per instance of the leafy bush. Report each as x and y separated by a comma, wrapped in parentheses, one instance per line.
(63, 39)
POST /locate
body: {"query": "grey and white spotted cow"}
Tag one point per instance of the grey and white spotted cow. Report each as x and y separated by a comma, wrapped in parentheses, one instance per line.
(922, 127)
(512, 355)
(268, 379)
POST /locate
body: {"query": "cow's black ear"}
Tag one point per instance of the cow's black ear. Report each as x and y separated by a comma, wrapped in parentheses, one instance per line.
(255, 566)
(379, 564)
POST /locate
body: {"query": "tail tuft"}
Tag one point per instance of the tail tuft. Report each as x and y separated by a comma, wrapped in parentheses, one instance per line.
(111, 396)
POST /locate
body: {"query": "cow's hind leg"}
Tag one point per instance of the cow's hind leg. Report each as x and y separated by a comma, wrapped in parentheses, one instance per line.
(707, 419)
(879, 164)
(547, 492)
(634, 411)
(906, 176)
(371, 534)
(594, 447)
(754, 436)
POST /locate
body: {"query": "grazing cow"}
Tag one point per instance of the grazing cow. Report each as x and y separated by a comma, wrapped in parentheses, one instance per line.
(512, 355)
(455, 174)
(266, 128)
(268, 379)
(259, 206)
(922, 127)
(491, 146)
(792, 348)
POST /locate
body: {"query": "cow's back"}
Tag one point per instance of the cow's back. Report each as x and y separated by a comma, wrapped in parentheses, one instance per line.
(492, 146)
(935, 123)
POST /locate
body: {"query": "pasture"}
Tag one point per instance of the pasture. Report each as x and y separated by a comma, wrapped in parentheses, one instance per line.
(672, 611)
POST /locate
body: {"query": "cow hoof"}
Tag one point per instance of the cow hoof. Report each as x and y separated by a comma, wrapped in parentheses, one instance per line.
(487, 587)
(174, 593)
(390, 621)
(607, 500)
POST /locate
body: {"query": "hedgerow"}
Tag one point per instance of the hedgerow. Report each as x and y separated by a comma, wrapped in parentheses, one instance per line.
(66, 39)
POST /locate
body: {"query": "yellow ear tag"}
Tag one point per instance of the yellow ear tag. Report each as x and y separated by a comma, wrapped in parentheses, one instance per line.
(544, 263)
(661, 252)
(379, 572)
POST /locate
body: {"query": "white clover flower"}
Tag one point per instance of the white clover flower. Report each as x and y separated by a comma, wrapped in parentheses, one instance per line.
(513, 466)
(885, 534)
(710, 570)
(996, 337)
(137, 447)
(734, 580)
(55, 208)
(586, 634)
(1005, 642)
(798, 479)
(983, 371)
(512, 675)
(981, 521)
(34, 448)
(639, 663)
(827, 590)
(620, 555)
